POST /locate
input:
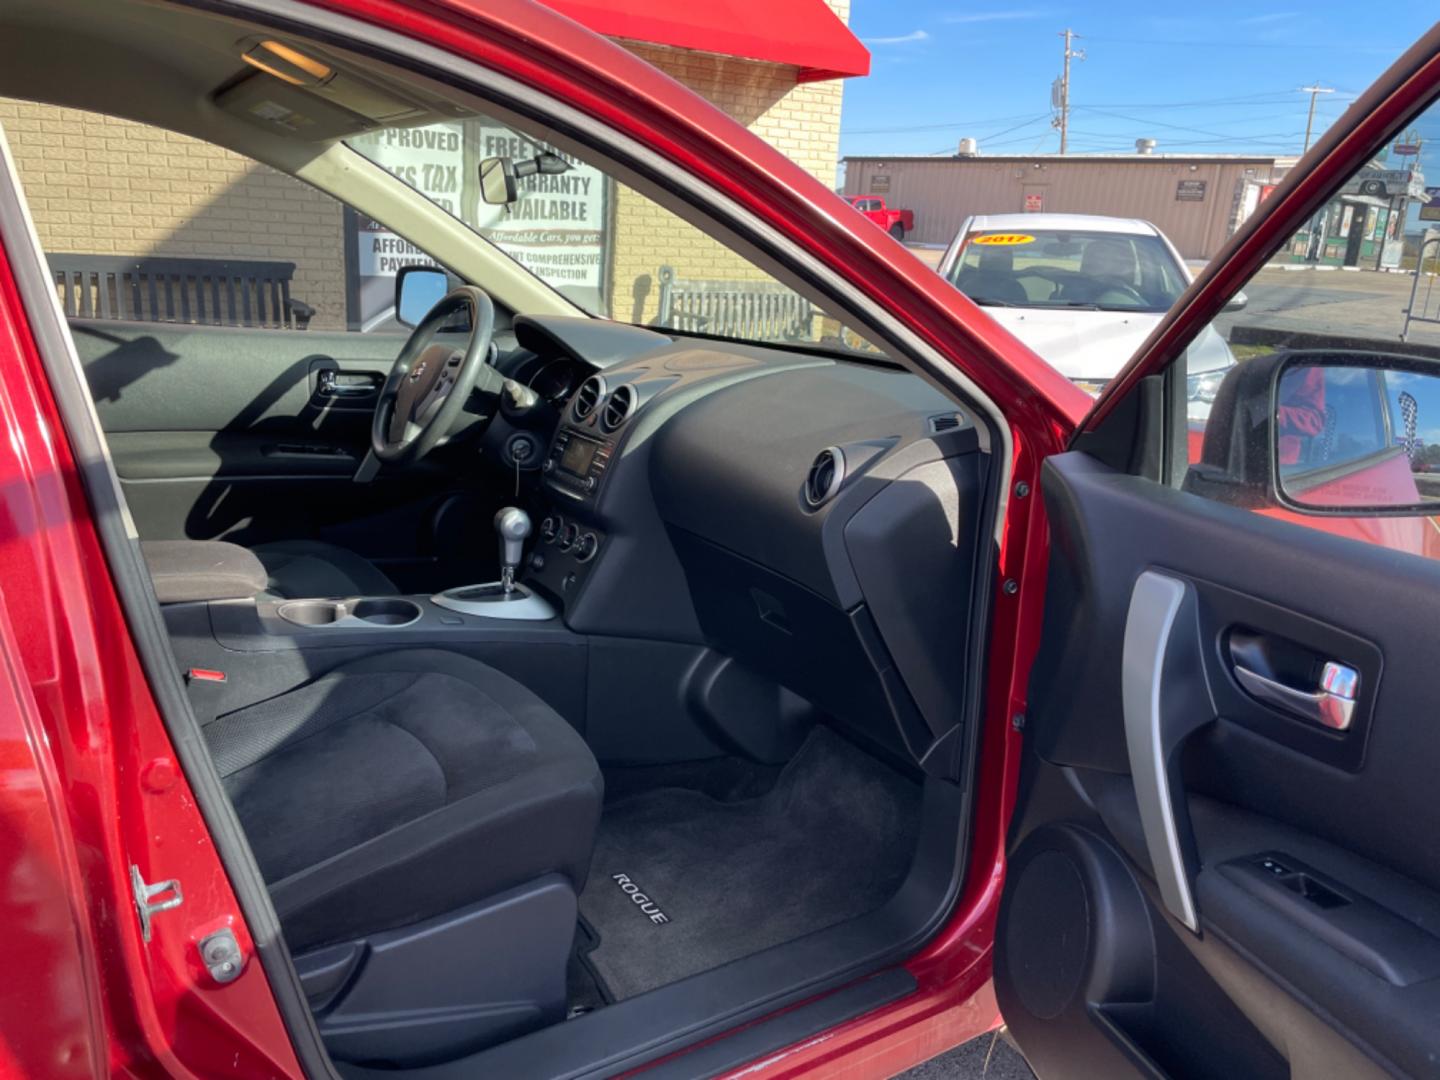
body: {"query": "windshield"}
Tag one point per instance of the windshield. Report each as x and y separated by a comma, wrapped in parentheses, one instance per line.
(603, 245)
(1053, 268)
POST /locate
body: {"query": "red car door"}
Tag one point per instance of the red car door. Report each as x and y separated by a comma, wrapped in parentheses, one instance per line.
(1222, 860)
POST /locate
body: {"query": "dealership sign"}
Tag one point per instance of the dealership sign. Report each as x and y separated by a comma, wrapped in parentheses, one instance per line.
(1190, 191)
(558, 228)
(1430, 211)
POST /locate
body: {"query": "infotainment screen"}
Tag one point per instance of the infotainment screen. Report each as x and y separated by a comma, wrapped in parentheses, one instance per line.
(578, 455)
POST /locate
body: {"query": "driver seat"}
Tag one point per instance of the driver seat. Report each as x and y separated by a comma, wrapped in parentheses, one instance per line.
(311, 568)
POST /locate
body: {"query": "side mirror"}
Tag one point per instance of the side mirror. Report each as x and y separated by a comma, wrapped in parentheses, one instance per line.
(1238, 302)
(417, 290)
(1325, 432)
(498, 175)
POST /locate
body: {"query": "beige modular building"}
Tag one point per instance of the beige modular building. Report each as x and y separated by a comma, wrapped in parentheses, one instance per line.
(1196, 200)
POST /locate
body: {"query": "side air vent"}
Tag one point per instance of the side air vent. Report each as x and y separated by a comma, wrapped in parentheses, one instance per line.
(944, 422)
(587, 397)
(617, 409)
(826, 475)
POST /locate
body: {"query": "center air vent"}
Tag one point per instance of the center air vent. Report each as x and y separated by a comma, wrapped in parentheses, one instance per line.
(587, 397)
(826, 475)
(618, 409)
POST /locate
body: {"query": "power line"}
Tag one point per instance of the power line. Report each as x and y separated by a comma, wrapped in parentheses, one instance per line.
(938, 126)
(1288, 47)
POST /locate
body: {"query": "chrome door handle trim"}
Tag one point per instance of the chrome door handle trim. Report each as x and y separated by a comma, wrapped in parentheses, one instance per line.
(1332, 705)
(1154, 605)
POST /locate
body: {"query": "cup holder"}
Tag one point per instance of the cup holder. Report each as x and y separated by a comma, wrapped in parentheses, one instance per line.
(312, 612)
(387, 612)
(384, 611)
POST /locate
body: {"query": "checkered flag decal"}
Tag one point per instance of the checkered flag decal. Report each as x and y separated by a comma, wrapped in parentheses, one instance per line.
(1409, 412)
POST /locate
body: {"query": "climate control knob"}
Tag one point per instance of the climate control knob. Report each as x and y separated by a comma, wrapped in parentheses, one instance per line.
(585, 548)
(568, 535)
(550, 528)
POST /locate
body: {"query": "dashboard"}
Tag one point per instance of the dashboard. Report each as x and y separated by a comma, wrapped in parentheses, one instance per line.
(819, 522)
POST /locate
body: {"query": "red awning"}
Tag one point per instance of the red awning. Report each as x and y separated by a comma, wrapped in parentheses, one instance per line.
(802, 33)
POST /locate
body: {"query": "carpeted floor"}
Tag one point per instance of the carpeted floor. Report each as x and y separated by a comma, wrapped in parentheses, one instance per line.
(682, 882)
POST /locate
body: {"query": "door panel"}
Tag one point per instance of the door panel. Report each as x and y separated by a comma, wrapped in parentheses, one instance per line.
(1309, 853)
(255, 435)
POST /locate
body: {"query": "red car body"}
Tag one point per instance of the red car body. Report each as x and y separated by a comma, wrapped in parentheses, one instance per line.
(91, 786)
(873, 208)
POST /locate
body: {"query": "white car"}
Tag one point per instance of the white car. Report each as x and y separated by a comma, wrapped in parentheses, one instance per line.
(1083, 291)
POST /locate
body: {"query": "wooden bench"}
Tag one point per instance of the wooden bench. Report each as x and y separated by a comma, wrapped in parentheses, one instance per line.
(757, 310)
(206, 292)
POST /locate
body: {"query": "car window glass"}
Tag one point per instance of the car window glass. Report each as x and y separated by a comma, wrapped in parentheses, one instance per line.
(1068, 269)
(126, 212)
(605, 246)
(1361, 277)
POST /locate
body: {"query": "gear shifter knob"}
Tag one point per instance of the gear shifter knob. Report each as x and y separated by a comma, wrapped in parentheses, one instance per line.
(513, 525)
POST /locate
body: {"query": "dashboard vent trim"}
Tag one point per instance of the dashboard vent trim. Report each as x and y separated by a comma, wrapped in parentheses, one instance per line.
(827, 473)
(945, 422)
(587, 398)
(617, 409)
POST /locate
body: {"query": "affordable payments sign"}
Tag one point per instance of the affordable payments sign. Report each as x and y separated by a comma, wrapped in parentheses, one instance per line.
(558, 228)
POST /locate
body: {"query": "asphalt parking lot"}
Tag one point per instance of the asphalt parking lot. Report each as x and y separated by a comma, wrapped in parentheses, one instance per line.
(1363, 303)
(989, 1057)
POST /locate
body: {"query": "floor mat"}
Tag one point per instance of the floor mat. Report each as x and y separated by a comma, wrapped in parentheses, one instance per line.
(681, 882)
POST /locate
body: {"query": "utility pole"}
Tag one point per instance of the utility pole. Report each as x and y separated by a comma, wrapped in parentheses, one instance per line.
(1060, 95)
(1314, 91)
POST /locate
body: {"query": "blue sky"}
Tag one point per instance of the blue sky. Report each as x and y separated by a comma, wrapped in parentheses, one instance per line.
(1213, 77)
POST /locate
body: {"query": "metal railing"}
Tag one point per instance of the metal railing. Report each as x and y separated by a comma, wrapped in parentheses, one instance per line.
(757, 310)
(1424, 296)
(209, 292)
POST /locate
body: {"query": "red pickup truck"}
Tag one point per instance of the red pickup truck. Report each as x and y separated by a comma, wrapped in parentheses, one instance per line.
(896, 222)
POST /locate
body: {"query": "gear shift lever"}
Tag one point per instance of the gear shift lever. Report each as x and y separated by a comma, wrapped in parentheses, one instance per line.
(513, 525)
(506, 598)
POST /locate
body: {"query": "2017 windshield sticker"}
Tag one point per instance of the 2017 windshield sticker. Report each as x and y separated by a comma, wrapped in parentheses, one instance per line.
(1004, 239)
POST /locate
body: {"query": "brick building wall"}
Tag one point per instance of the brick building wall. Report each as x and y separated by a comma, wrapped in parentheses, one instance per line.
(98, 185)
(802, 120)
(101, 185)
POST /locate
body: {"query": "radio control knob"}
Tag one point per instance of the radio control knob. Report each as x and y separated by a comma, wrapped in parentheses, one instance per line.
(590, 483)
(549, 465)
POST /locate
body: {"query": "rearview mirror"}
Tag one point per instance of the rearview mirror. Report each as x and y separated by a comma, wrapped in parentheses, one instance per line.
(1326, 432)
(417, 290)
(497, 180)
(498, 175)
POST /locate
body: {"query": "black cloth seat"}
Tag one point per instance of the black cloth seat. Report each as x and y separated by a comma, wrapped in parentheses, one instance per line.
(403, 786)
(312, 568)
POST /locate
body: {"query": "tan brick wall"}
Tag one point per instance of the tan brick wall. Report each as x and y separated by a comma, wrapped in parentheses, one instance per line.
(99, 185)
(802, 120)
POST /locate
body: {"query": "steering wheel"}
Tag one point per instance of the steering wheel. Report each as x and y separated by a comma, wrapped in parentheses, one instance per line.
(1114, 285)
(431, 380)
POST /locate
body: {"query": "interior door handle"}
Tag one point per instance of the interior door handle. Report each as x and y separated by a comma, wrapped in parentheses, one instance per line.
(1165, 699)
(1332, 705)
